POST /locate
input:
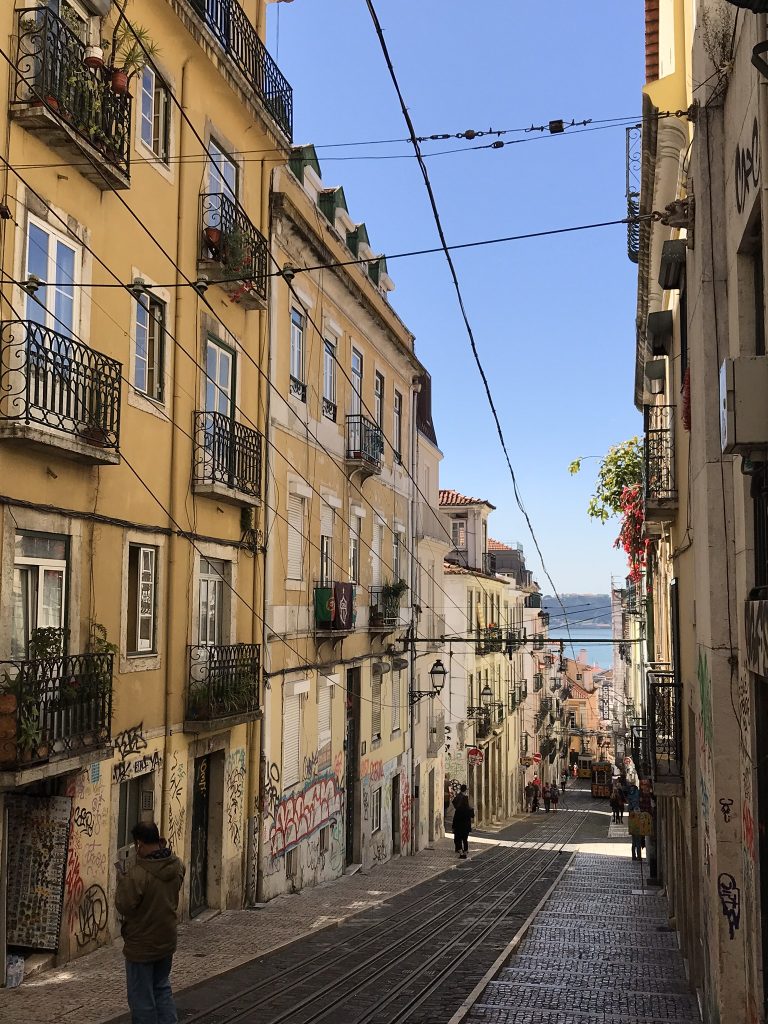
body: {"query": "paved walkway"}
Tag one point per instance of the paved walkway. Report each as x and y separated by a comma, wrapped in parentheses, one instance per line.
(599, 950)
(92, 989)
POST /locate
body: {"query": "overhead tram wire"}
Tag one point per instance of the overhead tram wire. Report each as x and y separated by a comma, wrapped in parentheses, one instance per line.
(459, 295)
(243, 414)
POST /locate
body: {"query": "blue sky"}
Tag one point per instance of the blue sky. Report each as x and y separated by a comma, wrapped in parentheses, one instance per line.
(553, 318)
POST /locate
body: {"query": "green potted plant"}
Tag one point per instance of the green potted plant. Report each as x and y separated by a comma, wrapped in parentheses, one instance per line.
(131, 50)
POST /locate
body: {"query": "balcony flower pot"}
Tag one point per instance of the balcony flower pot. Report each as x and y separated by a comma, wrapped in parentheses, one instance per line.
(94, 57)
(49, 101)
(119, 81)
(213, 238)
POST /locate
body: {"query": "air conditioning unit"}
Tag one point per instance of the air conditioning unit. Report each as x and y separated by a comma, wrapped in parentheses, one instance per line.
(743, 407)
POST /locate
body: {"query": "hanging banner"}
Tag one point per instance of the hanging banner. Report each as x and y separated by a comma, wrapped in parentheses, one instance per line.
(38, 836)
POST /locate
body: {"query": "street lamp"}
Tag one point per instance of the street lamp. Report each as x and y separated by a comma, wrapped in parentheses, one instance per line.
(437, 675)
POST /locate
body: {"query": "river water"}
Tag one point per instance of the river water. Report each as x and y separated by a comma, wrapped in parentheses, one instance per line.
(597, 653)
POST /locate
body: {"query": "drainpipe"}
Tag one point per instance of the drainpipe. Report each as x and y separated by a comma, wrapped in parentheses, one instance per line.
(173, 540)
(415, 388)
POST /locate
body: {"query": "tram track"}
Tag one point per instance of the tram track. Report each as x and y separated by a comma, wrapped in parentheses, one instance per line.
(485, 898)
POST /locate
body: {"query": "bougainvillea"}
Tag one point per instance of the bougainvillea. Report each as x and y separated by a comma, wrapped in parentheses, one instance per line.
(631, 533)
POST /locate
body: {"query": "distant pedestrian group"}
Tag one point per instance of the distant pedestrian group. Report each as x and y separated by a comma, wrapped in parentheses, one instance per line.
(548, 794)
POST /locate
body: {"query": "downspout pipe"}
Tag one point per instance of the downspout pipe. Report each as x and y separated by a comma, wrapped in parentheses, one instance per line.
(415, 388)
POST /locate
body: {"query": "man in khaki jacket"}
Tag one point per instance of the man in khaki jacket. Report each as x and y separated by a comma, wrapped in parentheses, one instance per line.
(147, 899)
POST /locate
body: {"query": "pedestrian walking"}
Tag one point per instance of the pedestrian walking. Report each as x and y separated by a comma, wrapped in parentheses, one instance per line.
(529, 791)
(574, 771)
(564, 780)
(620, 801)
(546, 796)
(554, 796)
(614, 801)
(463, 813)
(147, 899)
(633, 803)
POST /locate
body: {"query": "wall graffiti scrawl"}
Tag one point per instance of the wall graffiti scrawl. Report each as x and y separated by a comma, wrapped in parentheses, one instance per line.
(300, 815)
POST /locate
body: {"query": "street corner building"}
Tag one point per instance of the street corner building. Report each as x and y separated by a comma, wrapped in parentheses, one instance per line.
(132, 436)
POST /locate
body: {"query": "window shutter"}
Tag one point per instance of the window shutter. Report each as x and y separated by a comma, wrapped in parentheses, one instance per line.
(378, 539)
(295, 536)
(291, 734)
(326, 520)
(397, 686)
(376, 706)
(323, 715)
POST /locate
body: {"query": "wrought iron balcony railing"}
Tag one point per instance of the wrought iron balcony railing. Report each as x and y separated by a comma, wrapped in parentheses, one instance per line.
(385, 609)
(49, 380)
(634, 142)
(55, 88)
(231, 243)
(490, 640)
(54, 707)
(228, 22)
(223, 681)
(660, 488)
(227, 454)
(364, 441)
(538, 681)
(489, 563)
(665, 721)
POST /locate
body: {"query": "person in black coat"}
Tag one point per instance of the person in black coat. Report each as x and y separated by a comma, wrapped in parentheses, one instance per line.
(463, 813)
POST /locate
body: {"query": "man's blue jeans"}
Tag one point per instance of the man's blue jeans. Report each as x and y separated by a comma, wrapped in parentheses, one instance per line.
(149, 992)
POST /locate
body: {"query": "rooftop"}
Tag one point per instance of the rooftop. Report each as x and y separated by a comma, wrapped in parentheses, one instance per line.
(449, 497)
(497, 545)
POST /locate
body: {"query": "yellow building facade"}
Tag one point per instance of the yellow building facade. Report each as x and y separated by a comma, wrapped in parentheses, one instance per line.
(339, 783)
(133, 359)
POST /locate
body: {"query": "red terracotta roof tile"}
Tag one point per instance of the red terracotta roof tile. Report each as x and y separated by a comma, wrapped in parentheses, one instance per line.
(450, 497)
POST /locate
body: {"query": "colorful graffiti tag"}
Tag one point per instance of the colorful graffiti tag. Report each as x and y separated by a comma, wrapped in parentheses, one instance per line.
(301, 814)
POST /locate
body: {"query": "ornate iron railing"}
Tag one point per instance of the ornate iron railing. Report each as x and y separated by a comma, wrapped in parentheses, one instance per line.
(491, 640)
(227, 453)
(223, 681)
(634, 142)
(489, 563)
(48, 379)
(240, 41)
(50, 60)
(298, 389)
(329, 409)
(54, 706)
(538, 681)
(385, 611)
(364, 440)
(229, 238)
(659, 456)
(665, 722)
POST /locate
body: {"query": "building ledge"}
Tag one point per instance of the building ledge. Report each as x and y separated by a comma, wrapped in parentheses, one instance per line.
(206, 726)
(71, 446)
(24, 775)
(230, 495)
(240, 292)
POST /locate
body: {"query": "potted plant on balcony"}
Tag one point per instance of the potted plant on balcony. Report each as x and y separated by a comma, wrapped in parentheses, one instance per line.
(388, 606)
(131, 50)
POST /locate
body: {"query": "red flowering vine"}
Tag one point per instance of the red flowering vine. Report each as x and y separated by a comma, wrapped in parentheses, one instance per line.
(631, 533)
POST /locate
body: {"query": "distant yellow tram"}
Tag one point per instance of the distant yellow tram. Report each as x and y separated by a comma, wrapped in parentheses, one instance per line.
(602, 778)
(585, 765)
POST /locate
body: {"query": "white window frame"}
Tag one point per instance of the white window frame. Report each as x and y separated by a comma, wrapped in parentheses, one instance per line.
(377, 687)
(330, 349)
(296, 510)
(356, 381)
(212, 577)
(44, 301)
(147, 564)
(396, 567)
(397, 700)
(146, 303)
(42, 565)
(397, 425)
(459, 534)
(298, 331)
(379, 390)
(156, 95)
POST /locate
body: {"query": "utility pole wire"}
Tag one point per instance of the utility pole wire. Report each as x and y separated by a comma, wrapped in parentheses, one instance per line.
(460, 297)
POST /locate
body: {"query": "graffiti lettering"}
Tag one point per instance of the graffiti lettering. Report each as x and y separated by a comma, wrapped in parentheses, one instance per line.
(271, 790)
(380, 851)
(84, 820)
(311, 765)
(73, 883)
(757, 637)
(366, 803)
(726, 806)
(125, 770)
(338, 767)
(747, 168)
(730, 901)
(405, 812)
(300, 815)
(748, 825)
(130, 741)
(91, 915)
(234, 782)
(176, 811)
(373, 770)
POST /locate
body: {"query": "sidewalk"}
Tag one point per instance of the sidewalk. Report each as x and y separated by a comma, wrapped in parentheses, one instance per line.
(600, 949)
(92, 989)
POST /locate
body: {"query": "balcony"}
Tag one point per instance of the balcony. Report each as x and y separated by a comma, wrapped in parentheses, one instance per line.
(489, 563)
(538, 681)
(436, 739)
(660, 489)
(232, 251)
(384, 614)
(227, 459)
(490, 640)
(234, 33)
(54, 708)
(365, 446)
(223, 684)
(58, 393)
(335, 613)
(665, 732)
(71, 106)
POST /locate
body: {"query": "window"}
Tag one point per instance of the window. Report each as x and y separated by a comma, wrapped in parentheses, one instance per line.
(325, 839)
(297, 355)
(220, 378)
(291, 740)
(136, 802)
(397, 692)
(39, 587)
(378, 549)
(149, 357)
(471, 688)
(295, 568)
(324, 693)
(355, 529)
(396, 572)
(397, 433)
(357, 383)
(329, 380)
(376, 706)
(459, 534)
(55, 260)
(470, 611)
(222, 178)
(376, 811)
(142, 588)
(211, 602)
(326, 544)
(155, 114)
(378, 400)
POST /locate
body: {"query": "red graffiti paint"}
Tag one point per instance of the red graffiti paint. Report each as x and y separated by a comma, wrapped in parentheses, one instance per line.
(748, 827)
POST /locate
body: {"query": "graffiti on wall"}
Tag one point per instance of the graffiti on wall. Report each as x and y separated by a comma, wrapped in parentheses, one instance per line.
(371, 770)
(747, 174)
(125, 770)
(131, 741)
(405, 810)
(730, 901)
(270, 789)
(234, 787)
(176, 803)
(86, 908)
(299, 815)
